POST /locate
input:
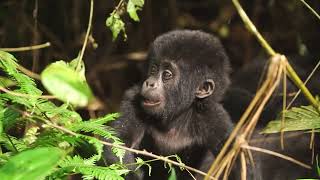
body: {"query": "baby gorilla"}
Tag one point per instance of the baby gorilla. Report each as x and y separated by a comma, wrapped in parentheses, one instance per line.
(177, 109)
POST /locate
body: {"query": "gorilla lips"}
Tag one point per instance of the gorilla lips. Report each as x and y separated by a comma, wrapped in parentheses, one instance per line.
(151, 102)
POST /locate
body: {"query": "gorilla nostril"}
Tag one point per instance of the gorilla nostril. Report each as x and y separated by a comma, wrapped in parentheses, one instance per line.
(150, 84)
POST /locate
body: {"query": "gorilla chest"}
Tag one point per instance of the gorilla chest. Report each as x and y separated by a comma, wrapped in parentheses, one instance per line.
(169, 142)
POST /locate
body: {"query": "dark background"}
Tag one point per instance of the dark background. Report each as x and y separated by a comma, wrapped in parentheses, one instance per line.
(287, 25)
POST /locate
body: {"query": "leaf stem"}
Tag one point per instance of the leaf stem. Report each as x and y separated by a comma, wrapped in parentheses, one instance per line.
(86, 38)
(26, 48)
(311, 9)
(295, 78)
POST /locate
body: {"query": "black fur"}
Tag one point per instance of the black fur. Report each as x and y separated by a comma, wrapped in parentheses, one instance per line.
(184, 123)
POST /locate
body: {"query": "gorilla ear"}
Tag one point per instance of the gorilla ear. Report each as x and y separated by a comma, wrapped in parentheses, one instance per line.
(205, 89)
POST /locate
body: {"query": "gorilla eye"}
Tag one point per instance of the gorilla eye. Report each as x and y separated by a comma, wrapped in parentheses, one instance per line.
(166, 75)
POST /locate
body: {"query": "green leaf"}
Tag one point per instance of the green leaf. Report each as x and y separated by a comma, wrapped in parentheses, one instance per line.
(88, 168)
(116, 25)
(302, 118)
(73, 64)
(132, 10)
(138, 3)
(99, 129)
(133, 6)
(12, 143)
(173, 175)
(140, 162)
(8, 117)
(66, 84)
(25, 84)
(31, 164)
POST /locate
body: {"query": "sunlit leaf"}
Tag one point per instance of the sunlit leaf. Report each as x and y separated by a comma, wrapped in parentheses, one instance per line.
(132, 7)
(138, 3)
(66, 84)
(31, 164)
(116, 25)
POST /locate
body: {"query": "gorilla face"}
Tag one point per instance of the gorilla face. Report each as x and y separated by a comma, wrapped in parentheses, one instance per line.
(162, 79)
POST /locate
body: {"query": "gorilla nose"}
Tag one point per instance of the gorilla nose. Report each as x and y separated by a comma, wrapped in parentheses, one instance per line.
(150, 84)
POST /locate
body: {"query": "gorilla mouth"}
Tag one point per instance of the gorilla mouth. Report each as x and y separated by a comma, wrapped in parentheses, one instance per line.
(151, 102)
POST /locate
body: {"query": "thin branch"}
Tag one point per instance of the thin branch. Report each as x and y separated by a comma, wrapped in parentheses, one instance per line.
(243, 166)
(284, 104)
(118, 6)
(311, 9)
(87, 36)
(25, 95)
(305, 83)
(277, 155)
(26, 48)
(29, 73)
(297, 81)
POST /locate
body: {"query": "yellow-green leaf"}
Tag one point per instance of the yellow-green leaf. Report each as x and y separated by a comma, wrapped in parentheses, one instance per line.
(66, 84)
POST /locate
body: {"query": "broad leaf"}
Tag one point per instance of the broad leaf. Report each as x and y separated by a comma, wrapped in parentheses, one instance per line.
(31, 164)
(66, 84)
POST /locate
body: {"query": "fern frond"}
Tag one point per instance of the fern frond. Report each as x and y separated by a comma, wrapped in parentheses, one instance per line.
(105, 119)
(118, 152)
(104, 131)
(4, 157)
(61, 114)
(12, 143)
(88, 168)
(56, 139)
(96, 143)
(26, 84)
(9, 117)
(297, 118)
(96, 129)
